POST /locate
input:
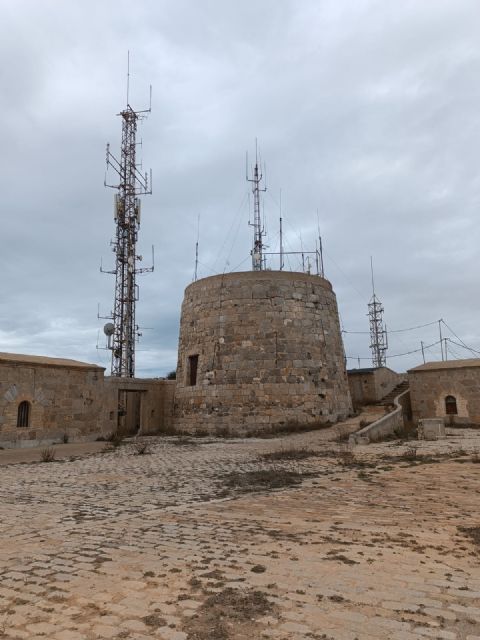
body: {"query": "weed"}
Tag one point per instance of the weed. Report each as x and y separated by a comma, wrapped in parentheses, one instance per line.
(115, 438)
(475, 456)
(291, 426)
(410, 454)
(342, 434)
(154, 620)
(47, 455)
(141, 448)
(223, 432)
(347, 457)
(258, 568)
(293, 453)
(472, 532)
(274, 478)
(65, 438)
(183, 441)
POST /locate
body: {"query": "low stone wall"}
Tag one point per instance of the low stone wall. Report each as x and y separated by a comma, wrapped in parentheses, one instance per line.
(386, 425)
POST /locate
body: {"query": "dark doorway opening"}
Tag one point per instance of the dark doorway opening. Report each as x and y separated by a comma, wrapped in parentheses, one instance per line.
(451, 406)
(192, 370)
(129, 411)
(23, 414)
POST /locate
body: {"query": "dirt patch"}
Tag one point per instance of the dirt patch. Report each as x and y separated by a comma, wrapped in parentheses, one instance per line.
(292, 453)
(473, 533)
(263, 479)
(224, 613)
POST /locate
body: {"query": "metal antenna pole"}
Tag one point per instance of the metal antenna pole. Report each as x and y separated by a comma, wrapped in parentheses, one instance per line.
(322, 271)
(378, 332)
(441, 339)
(423, 352)
(127, 209)
(258, 231)
(281, 233)
(196, 249)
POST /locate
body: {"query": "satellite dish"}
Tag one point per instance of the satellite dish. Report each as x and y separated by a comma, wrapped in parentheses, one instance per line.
(109, 329)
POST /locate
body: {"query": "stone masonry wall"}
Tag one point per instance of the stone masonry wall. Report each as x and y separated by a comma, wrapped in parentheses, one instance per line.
(62, 400)
(371, 386)
(268, 348)
(156, 404)
(429, 389)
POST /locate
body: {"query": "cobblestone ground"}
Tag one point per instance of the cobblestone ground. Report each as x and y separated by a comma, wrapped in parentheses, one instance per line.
(184, 542)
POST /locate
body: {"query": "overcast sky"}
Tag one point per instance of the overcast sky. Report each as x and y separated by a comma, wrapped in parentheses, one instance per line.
(368, 111)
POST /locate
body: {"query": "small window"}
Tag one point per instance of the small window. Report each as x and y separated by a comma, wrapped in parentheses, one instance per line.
(192, 370)
(23, 414)
(451, 406)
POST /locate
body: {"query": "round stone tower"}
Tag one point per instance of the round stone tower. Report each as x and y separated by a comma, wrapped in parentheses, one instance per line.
(257, 350)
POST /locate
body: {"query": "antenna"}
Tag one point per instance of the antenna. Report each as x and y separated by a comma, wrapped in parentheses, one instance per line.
(281, 234)
(122, 332)
(128, 75)
(258, 231)
(196, 249)
(378, 332)
(322, 271)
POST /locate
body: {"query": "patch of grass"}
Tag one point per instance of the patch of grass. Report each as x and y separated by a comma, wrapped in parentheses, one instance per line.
(47, 455)
(141, 448)
(227, 610)
(115, 438)
(274, 478)
(291, 426)
(292, 453)
(472, 532)
(347, 458)
(342, 434)
(410, 454)
(154, 620)
(183, 441)
(258, 568)
(223, 432)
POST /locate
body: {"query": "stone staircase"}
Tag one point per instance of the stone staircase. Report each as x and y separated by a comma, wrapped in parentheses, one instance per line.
(389, 398)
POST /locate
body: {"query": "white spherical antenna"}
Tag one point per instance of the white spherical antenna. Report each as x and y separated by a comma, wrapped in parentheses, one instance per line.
(109, 329)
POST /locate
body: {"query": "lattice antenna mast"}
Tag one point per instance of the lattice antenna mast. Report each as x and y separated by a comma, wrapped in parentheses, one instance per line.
(378, 331)
(258, 262)
(127, 205)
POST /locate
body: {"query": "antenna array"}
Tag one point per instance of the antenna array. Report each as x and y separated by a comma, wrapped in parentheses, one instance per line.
(378, 331)
(258, 259)
(127, 206)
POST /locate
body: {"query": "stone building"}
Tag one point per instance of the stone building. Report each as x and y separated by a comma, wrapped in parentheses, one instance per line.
(137, 405)
(45, 398)
(259, 349)
(369, 385)
(448, 390)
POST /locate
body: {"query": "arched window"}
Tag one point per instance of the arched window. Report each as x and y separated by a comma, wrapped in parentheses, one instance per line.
(23, 415)
(451, 406)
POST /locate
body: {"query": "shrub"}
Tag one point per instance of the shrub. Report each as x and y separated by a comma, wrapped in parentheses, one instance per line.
(172, 375)
(141, 448)
(47, 455)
